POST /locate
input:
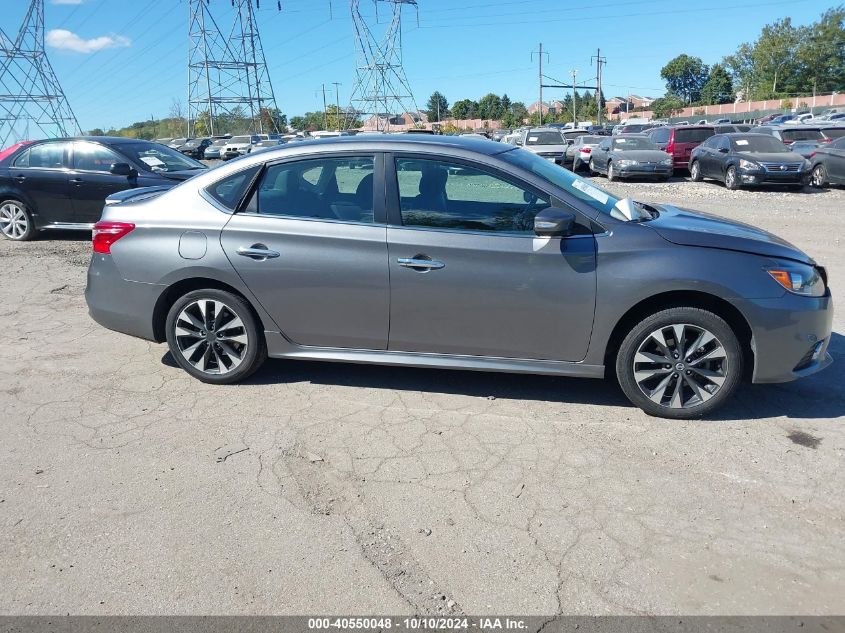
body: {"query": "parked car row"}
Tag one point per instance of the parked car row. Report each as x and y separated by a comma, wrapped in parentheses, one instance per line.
(224, 147)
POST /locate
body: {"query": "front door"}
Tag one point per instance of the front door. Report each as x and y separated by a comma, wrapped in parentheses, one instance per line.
(41, 172)
(469, 277)
(91, 180)
(311, 245)
(835, 160)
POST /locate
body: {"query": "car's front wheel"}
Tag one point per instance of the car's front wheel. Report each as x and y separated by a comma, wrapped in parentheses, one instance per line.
(731, 179)
(680, 363)
(214, 336)
(611, 173)
(16, 221)
(818, 177)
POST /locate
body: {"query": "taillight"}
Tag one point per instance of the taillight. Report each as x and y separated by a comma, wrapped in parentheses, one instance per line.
(811, 154)
(825, 140)
(670, 146)
(107, 233)
(587, 150)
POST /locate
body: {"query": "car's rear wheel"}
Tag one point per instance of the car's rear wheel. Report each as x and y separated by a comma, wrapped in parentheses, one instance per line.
(680, 363)
(695, 172)
(16, 221)
(731, 179)
(818, 177)
(611, 174)
(214, 336)
(576, 164)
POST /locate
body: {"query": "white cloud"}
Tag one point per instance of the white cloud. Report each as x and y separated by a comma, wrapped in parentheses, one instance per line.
(65, 1)
(69, 41)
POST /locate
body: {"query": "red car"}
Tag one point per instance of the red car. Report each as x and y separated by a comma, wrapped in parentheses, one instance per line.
(679, 140)
(11, 150)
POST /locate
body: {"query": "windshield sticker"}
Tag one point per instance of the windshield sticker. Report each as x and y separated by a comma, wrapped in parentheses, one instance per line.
(153, 161)
(621, 140)
(741, 141)
(593, 192)
(532, 139)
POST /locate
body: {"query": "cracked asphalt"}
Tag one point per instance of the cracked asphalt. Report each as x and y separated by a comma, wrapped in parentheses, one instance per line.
(126, 487)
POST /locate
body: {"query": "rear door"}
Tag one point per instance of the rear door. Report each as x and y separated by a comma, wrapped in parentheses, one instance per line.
(311, 245)
(469, 277)
(687, 139)
(835, 160)
(41, 173)
(91, 180)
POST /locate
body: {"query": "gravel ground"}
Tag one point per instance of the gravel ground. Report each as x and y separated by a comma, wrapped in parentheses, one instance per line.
(129, 488)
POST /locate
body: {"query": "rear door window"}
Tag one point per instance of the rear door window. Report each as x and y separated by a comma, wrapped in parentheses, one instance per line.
(43, 156)
(230, 190)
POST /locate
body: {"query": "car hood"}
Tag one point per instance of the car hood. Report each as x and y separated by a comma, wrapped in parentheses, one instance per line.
(641, 154)
(774, 157)
(694, 228)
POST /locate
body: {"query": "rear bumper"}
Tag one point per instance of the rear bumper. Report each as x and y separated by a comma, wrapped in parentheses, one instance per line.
(117, 304)
(791, 335)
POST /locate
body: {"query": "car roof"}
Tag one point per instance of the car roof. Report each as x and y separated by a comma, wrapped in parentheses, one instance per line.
(107, 140)
(409, 142)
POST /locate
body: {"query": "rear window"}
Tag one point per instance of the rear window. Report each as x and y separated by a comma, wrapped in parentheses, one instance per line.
(837, 132)
(693, 135)
(230, 190)
(801, 135)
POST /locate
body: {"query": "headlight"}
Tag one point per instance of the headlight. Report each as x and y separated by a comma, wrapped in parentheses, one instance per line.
(748, 164)
(627, 162)
(798, 278)
(667, 162)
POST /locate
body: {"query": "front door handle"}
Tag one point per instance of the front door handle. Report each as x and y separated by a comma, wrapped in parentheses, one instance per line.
(20, 178)
(420, 264)
(258, 252)
(76, 181)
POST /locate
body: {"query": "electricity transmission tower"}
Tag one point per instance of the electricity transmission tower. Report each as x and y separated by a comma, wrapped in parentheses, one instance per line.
(381, 88)
(227, 76)
(31, 100)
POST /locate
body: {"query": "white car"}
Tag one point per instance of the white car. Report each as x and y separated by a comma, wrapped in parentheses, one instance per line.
(239, 146)
(582, 149)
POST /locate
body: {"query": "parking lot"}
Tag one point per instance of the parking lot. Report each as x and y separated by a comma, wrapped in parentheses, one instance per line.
(130, 488)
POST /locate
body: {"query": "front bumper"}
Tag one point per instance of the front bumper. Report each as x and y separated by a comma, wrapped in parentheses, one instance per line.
(633, 171)
(765, 177)
(117, 304)
(791, 335)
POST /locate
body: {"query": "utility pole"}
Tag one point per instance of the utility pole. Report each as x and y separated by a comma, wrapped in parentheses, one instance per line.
(325, 112)
(337, 103)
(539, 54)
(29, 89)
(600, 61)
(574, 72)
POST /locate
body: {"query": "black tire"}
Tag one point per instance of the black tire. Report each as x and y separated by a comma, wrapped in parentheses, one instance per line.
(693, 320)
(695, 172)
(253, 356)
(576, 165)
(611, 174)
(16, 223)
(731, 178)
(818, 177)
(592, 167)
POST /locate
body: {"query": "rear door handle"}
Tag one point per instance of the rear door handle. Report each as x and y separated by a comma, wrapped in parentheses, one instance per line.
(20, 178)
(420, 264)
(258, 251)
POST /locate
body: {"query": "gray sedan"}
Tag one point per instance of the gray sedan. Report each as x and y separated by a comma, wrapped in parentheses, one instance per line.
(628, 155)
(458, 254)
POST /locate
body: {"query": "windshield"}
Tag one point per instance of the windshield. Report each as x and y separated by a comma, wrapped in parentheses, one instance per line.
(625, 144)
(835, 132)
(549, 137)
(242, 139)
(220, 142)
(581, 188)
(758, 143)
(590, 140)
(159, 157)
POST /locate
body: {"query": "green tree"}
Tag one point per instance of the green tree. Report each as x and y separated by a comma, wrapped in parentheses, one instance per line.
(665, 107)
(464, 109)
(685, 76)
(96, 132)
(437, 107)
(718, 88)
(506, 104)
(820, 54)
(490, 106)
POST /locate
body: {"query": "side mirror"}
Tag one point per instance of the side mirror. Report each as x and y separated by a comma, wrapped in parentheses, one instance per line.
(723, 150)
(554, 222)
(121, 169)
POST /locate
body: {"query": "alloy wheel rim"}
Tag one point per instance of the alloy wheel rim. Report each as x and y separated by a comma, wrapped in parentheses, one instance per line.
(818, 176)
(14, 222)
(211, 336)
(729, 178)
(695, 171)
(610, 171)
(680, 366)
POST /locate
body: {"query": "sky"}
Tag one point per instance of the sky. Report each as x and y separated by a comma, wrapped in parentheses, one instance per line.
(121, 61)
